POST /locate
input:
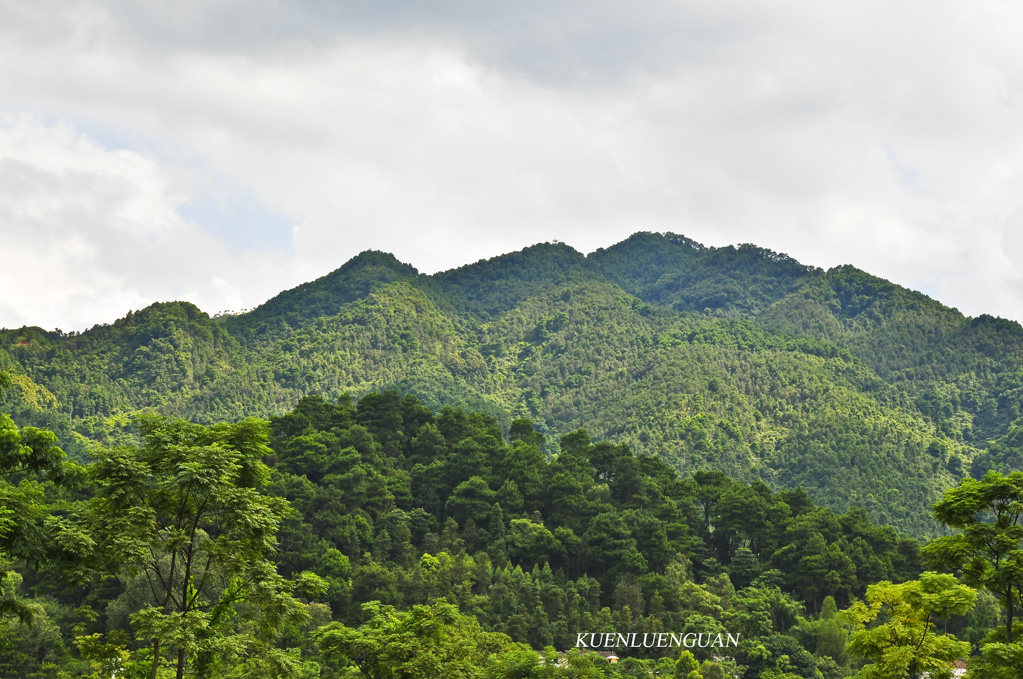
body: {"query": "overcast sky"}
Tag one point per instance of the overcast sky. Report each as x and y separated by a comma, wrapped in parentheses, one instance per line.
(220, 151)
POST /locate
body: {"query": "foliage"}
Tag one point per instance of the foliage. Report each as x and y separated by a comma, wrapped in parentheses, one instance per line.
(169, 545)
(737, 359)
(181, 523)
(26, 457)
(989, 548)
(424, 642)
(896, 631)
(754, 423)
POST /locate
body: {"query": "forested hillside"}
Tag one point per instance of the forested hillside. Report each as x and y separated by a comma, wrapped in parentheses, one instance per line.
(159, 549)
(734, 359)
(379, 539)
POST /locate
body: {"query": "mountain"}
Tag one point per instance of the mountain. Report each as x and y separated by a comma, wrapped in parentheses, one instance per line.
(735, 358)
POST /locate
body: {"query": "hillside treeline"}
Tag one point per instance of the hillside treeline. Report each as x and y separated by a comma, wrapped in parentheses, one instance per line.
(734, 359)
(349, 538)
(383, 500)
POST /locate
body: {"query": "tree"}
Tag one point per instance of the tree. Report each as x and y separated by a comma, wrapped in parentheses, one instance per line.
(428, 641)
(989, 547)
(472, 498)
(777, 656)
(611, 548)
(687, 666)
(181, 523)
(998, 660)
(24, 454)
(895, 628)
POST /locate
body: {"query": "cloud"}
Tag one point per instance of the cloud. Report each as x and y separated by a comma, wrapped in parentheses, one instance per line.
(880, 134)
(90, 233)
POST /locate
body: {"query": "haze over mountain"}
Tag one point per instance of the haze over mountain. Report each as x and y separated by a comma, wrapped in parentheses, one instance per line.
(735, 358)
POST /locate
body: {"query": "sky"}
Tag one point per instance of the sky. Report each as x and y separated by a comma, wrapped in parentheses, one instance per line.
(220, 151)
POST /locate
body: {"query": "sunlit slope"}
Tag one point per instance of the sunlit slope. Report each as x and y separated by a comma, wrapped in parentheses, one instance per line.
(734, 358)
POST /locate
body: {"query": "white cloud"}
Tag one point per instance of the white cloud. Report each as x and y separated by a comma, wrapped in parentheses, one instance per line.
(89, 233)
(886, 135)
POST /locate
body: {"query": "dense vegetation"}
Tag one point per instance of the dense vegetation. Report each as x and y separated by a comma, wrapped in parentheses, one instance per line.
(378, 538)
(163, 548)
(732, 359)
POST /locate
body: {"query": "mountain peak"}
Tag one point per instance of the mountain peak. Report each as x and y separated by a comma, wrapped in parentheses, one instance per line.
(640, 260)
(377, 259)
(642, 239)
(357, 278)
(491, 285)
(546, 254)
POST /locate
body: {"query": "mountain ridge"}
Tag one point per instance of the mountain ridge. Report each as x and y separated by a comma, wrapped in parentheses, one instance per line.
(735, 358)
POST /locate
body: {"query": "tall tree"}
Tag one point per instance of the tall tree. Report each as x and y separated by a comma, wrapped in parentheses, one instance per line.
(896, 631)
(24, 454)
(988, 548)
(182, 524)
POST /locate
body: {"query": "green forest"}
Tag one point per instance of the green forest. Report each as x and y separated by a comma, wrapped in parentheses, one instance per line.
(377, 538)
(385, 474)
